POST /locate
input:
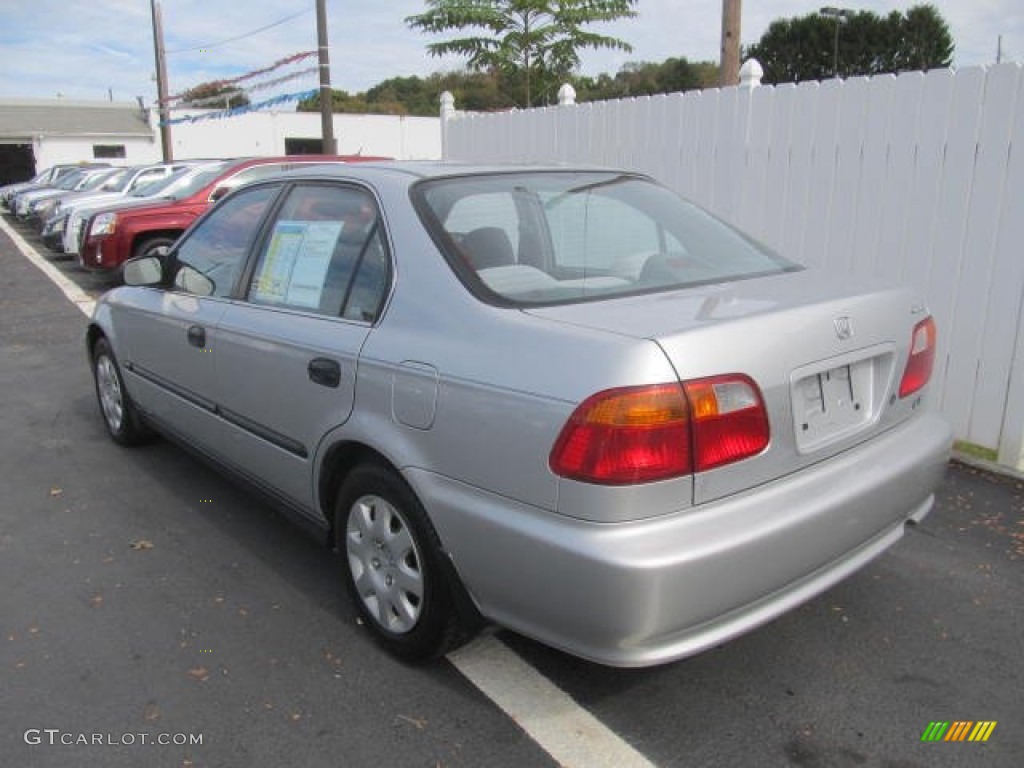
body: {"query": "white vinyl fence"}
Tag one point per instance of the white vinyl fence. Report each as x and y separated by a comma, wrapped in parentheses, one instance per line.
(917, 178)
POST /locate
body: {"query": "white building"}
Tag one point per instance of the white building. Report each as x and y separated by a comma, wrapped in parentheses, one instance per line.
(35, 134)
(293, 133)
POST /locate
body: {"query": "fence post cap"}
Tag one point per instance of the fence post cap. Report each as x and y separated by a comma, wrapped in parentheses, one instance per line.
(751, 73)
(447, 104)
(566, 95)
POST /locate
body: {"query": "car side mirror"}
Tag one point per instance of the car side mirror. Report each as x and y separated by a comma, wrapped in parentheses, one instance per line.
(144, 270)
(192, 281)
(218, 193)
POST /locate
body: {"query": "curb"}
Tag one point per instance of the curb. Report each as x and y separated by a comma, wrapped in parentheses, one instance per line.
(987, 466)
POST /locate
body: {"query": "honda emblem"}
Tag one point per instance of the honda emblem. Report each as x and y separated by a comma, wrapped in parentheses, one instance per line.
(844, 328)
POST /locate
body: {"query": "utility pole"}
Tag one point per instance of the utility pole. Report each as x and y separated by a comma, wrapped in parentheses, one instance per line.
(729, 64)
(840, 15)
(999, 50)
(330, 146)
(161, 82)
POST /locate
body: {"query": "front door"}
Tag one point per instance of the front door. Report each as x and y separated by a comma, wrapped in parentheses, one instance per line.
(169, 335)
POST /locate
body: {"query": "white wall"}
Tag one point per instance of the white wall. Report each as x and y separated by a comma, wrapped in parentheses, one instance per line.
(264, 133)
(916, 179)
(51, 150)
(256, 133)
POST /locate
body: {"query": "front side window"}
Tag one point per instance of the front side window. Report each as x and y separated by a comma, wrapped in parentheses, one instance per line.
(180, 184)
(117, 181)
(325, 254)
(147, 177)
(556, 237)
(94, 180)
(217, 248)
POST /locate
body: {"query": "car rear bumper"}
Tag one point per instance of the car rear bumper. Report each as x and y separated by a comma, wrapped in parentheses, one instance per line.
(652, 591)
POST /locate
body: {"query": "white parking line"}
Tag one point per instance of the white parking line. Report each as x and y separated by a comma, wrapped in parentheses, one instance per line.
(566, 731)
(572, 736)
(75, 295)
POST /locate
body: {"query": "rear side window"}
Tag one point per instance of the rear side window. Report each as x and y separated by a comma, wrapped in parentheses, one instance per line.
(557, 237)
(325, 254)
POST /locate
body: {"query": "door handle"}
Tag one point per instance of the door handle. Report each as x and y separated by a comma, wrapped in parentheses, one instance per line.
(324, 371)
(197, 336)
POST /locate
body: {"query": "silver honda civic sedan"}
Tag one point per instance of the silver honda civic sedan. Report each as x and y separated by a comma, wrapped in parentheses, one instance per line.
(564, 402)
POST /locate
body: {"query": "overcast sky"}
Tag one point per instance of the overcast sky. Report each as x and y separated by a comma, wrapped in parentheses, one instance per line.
(82, 48)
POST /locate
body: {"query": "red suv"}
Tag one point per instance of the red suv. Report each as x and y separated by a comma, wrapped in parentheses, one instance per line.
(110, 238)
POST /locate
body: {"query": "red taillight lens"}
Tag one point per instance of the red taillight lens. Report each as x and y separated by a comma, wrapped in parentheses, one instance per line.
(921, 359)
(641, 434)
(626, 435)
(729, 420)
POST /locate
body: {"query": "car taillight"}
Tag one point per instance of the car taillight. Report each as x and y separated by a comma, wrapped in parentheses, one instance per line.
(921, 359)
(626, 435)
(729, 420)
(642, 434)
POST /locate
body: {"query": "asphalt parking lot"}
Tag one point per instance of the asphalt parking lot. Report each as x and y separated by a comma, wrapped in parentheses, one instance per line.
(145, 595)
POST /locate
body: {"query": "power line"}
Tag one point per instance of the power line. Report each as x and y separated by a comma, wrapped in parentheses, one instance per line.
(241, 37)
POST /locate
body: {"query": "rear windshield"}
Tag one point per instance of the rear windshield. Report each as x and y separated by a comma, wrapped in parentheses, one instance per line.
(551, 238)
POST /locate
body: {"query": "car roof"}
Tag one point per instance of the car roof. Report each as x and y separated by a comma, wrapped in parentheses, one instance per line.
(414, 171)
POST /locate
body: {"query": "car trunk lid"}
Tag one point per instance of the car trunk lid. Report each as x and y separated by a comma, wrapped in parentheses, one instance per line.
(826, 354)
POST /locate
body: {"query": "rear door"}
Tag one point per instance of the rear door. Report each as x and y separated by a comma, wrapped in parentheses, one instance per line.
(287, 352)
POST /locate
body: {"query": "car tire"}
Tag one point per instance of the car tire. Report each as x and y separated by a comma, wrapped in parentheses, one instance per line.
(119, 413)
(392, 564)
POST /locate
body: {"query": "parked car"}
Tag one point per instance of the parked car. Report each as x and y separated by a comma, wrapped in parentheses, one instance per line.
(565, 401)
(82, 179)
(43, 178)
(113, 237)
(43, 202)
(62, 230)
(120, 182)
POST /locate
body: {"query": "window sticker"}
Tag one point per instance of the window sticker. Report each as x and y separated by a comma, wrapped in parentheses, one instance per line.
(295, 265)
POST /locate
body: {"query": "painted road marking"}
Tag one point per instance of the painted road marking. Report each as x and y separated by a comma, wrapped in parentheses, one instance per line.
(75, 295)
(572, 736)
(566, 731)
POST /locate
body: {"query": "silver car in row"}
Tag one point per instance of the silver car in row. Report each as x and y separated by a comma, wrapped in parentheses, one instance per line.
(65, 233)
(565, 402)
(119, 184)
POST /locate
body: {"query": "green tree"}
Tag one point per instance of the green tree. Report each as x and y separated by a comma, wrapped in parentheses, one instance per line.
(803, 48)
(923, 39)
(535, 41)
(214, 95)
(647, 78)
(474, 91)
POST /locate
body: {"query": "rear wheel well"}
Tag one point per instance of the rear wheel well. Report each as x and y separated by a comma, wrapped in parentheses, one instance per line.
(339, 461)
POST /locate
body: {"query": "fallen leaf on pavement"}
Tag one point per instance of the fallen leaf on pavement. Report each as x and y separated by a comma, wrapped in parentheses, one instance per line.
(142, 544)
(419, 722)
(199, 673)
